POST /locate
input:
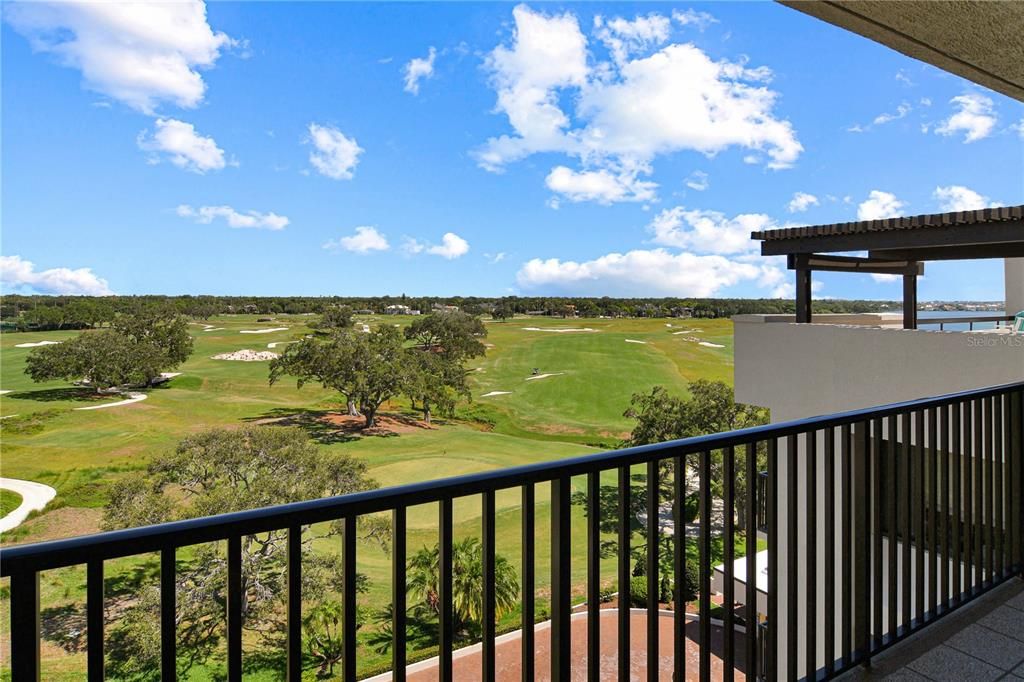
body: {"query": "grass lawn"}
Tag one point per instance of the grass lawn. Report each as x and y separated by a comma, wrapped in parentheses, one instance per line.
(9, 501)
(575, 411)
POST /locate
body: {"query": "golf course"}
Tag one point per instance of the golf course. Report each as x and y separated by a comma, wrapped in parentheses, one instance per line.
(547, 388)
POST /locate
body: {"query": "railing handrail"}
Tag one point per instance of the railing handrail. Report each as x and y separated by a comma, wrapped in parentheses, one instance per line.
(964, 320)
(133, 541)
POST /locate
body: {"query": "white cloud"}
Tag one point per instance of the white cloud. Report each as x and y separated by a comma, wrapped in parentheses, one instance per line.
(975, 116)
(250, 219)
(960, 198)
(412, 246)
(182, 145)
(801, 201)
(452, 246)
(691, 17)
(901, 111)
(698, 181)
(707, 231)
(648, 101)
(333, 155)
(547, 53)
(139, 53)
(636, 273)
(883, 278)
(496, 258)
(22, 275)
(603, 186)
(624, 38)
(879, 205)
(365, 240)
(417, 69)
(902, 77)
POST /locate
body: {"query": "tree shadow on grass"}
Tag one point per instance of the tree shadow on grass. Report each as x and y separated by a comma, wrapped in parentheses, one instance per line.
(64, 626)
(313, 422)
(76, 394)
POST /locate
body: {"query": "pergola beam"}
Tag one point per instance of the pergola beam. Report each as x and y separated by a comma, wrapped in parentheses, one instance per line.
(972, 252)
(872, 265)
(1002, 234)
(805, 264)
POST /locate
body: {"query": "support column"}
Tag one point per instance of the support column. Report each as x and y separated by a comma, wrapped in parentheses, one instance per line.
(910, 298)
(803, 293)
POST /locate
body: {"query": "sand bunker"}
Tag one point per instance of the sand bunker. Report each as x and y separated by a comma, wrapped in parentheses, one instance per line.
(263, 331)
(132, 398)
(214, 329)
(685, 331)
(247, 355)
(709, 344)
(544, 376)
(170, 375)
(488, 395)
(635, 341)
(37, 343)
(275, 344)
(558, 330)
(6, 391)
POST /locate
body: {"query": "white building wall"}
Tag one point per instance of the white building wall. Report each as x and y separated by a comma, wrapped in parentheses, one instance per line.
(803, 370)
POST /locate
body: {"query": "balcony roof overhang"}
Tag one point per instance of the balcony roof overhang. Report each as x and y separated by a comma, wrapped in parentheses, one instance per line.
(962, 235)
(895, 246)
(979, 41)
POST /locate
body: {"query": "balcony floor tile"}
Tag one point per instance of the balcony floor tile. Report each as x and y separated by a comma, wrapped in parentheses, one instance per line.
(988, 645)
(983, 640)
(946, 664)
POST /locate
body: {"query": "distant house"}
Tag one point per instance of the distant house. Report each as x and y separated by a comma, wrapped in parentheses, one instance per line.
(442, 308)
(398, 309)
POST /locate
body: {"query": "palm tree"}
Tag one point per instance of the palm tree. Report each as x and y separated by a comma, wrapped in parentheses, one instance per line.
(467, 583)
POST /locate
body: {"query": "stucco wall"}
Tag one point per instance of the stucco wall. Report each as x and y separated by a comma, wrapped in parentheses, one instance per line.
(803, 370)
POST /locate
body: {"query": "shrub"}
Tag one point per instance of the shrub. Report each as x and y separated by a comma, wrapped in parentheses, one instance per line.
(638, 592)
(691, 581)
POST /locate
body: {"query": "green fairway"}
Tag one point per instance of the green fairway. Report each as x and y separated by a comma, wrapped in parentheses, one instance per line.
(576, 410)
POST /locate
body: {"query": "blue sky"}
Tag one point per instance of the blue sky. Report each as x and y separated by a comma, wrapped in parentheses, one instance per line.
(463, 148)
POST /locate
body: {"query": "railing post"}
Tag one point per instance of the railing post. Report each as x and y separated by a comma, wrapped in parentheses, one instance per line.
(625, 535)
(168, 616)
(25, 626)
(560, 580)
(94, 619)
(652, 570)
(594, 576)
(350, 581)
(528, 541)
(489, 598)
(446, 616)
(236, 596)
(398, 595)
(294, 620)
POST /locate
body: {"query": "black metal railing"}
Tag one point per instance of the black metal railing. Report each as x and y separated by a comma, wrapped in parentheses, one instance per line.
(996, 321)
(879, 521)
(761, 500)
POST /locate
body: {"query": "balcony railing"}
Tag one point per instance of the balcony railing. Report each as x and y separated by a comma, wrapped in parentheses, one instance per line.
(993, 321)
(879, 522)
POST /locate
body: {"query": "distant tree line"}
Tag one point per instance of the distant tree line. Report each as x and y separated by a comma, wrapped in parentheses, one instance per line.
(44, 313)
